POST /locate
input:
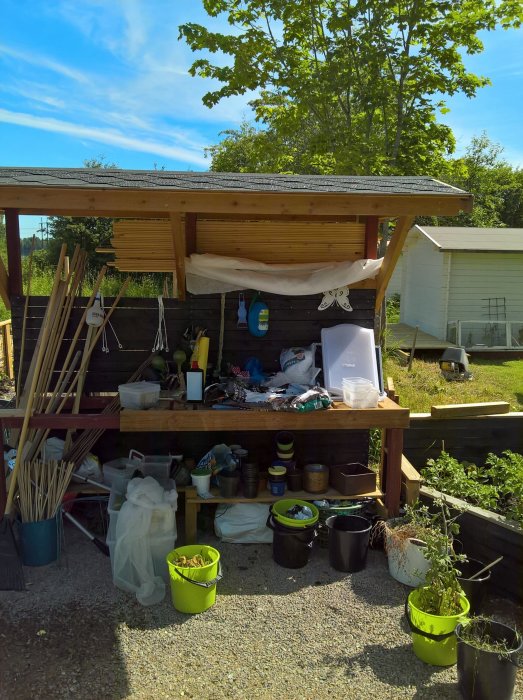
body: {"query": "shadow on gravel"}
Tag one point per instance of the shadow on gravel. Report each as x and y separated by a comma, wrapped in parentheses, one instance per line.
(69, 652)
(397, 667)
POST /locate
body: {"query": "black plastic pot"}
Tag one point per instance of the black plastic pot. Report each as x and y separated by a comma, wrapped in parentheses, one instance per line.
(487, 675)
(348, 542)
(291, 546)
(228, 483)
(474, 590)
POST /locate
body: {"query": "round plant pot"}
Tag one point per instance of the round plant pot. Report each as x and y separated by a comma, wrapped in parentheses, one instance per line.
(406, 559)
(202, 483)
(485, 674)
(433, 638)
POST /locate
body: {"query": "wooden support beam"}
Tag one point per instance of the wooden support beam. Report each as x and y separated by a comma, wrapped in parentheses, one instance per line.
(180, 249)
(371, 237)
(462, 410)
(410, 481)
(114, 202)
(403, 226)
(190, 233)
(392, 474)
(14, 255)
(4, 285)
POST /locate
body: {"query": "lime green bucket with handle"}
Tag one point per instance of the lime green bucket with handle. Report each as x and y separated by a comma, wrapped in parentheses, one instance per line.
(433, 638)
(193, 589)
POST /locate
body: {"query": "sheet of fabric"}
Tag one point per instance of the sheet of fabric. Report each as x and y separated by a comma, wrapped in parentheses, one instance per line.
(209, 274)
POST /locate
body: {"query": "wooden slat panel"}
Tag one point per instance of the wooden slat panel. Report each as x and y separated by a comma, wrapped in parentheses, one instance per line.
(282, 241)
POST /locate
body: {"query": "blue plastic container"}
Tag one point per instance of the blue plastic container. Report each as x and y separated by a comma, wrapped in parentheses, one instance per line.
(277, 488)
(39, 542)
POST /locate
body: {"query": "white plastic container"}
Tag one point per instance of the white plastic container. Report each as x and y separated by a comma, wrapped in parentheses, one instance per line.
(359, 393)
(348, 351)
(118, 471)
(139, 395)
(202, 483)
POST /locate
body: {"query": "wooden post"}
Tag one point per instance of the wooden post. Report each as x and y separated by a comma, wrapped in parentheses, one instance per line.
(371, 237)
(14, 255)
(392, 472)
(8, 351)
(179, 247)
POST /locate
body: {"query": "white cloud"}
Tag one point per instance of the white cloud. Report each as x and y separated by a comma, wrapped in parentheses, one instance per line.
(36, 59)
(112, 138)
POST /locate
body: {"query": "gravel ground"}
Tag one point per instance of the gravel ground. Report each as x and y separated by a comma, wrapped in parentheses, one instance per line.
(307, 634)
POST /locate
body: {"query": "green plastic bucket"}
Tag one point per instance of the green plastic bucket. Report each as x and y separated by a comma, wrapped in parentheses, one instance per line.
(433, 638)
(279, 511)
(193, 590)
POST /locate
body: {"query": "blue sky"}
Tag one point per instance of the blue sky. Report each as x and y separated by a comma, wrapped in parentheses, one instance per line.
(86, 78)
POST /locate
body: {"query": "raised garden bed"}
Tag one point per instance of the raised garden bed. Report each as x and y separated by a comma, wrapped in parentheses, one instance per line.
(486, 536)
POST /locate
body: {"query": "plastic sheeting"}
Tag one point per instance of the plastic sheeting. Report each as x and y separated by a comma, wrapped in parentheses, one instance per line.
(210, 274)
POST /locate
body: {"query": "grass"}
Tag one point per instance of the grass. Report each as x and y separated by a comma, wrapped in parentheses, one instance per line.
(424, 386)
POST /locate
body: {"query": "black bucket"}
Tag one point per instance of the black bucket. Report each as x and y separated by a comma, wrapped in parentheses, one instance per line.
(348, 542)
(291, 546)
(482, 674)
(474, 590)
(228, 483)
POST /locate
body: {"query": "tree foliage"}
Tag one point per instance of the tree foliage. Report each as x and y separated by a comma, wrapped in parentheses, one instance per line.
(89, 232)
(346, 86)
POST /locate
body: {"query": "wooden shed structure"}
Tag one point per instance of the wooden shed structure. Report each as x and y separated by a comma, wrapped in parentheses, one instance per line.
(464, 285)
(165, 216)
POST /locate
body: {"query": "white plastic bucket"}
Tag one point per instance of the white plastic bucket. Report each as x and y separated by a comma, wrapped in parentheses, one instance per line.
(202, 483)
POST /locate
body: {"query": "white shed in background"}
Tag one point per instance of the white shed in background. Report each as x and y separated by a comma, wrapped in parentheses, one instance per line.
(464, 285)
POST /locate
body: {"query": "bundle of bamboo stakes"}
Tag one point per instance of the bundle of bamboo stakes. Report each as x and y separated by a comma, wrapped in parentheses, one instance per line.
(37, 396)
(41, 488)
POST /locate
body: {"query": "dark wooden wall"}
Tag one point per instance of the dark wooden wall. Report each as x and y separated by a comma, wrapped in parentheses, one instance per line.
(468, 439)
(294, 321)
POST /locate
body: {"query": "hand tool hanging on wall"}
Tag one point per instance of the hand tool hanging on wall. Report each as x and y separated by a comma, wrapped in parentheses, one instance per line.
(242, 313)
(160, 341)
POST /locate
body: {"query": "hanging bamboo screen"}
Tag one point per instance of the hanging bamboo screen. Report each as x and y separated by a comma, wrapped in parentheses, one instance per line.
(147, 245)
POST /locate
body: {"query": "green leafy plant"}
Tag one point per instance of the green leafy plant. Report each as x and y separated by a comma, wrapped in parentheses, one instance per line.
(477, 633)
(498, 486)
(442, 592)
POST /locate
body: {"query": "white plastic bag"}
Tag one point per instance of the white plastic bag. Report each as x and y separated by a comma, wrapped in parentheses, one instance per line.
(243, 523)
(90, 467)
(145, 534)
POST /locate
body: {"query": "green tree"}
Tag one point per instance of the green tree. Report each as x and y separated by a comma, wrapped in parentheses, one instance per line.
(89, 232)
(495, 184)
(359, 82)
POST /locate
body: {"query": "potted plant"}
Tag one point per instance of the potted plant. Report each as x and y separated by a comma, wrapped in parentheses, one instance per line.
(487, 653)
(434, 610)
(405, 544)
(201, 478)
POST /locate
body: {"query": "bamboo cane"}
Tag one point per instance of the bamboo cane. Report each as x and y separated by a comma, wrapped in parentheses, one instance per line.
(29, 407)
(84, 364)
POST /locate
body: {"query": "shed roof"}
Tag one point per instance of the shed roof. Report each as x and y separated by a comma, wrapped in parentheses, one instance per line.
(474, 240)
(218, 181)
(112, 192)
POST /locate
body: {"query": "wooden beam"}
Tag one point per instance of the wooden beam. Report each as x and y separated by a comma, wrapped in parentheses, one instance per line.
(190, 233)
(179, 245)
(113, 202)
(461, 410)
(14, 255)
(403, 226)
(410, 480)
(4, 285)
(371, 237)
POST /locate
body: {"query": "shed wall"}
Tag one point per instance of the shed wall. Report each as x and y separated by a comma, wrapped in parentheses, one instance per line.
(476, 277)
(424, 286)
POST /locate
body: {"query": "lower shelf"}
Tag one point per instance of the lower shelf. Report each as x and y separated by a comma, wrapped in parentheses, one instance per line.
(267, 497)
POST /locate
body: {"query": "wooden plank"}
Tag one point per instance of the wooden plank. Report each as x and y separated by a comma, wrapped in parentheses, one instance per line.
(266, 496)
(411, 481)
(190, 232)
(339, 417)
(8, 350)
(403, 226)
(392, 473)
(461, 410)
(112, 203)
(14, 255)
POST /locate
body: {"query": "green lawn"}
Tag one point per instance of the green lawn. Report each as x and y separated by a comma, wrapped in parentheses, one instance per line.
(424, 386)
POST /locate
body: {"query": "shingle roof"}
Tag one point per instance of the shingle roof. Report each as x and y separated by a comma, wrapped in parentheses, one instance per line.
(212, 181)
(462, 238)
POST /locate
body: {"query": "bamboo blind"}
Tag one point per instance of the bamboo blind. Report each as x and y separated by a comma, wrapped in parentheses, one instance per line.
(147, 245)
